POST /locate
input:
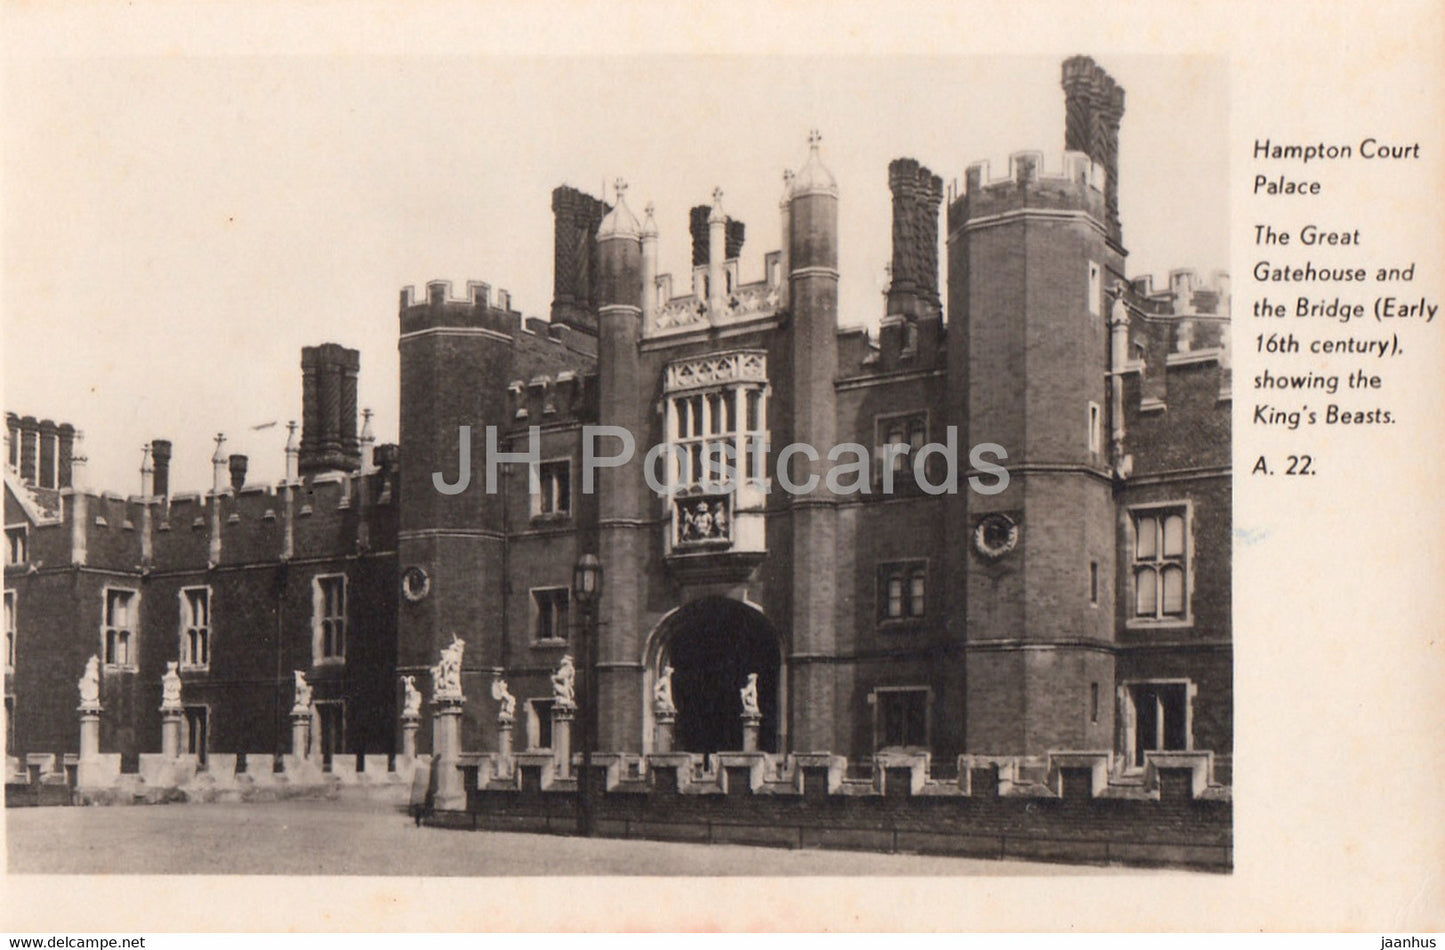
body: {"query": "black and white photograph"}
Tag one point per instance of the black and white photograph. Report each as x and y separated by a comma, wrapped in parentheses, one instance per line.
(632, 464)
(726, 535)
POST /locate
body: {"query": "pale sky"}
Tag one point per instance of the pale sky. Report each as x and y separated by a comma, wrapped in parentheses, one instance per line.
(176, 229)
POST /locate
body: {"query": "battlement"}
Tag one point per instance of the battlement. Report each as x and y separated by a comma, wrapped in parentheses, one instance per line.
(692, 312)
(334, 514)
(1185, 291)
(1033, 165)
(1170, 812)
(1177, 377)
(483, 309)
(1054, 181)
(439, 292)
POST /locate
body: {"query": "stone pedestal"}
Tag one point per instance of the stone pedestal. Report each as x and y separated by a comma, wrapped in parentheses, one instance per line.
(562, 717)
(300, 732)
(89, 762)
(662, 735)
(409, 727)
(504, 739)
(751, 726)
(447, 752)
(170, 732)
(89, 731)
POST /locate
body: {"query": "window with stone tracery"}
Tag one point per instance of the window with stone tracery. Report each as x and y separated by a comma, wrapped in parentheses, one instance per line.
(118, 639)
(716, 427)
(898, 439)
(1160, 563)
(196, 627)
(328, 618)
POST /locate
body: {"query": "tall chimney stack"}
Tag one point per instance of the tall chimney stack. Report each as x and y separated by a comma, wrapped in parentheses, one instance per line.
(67, 455)
(161, 462)
(238, 471)
(917, 193)
(328, 409)
(1094, 107)
(576, 216)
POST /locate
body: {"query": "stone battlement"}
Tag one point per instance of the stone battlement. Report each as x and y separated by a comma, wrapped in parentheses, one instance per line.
(1033, 165)
(1185, 291)
(223, 777)
(478, 294)
(1067, 181)
(689, 312)
(328, 514)
(1064, 806)
(483, 310)
(1100, 774)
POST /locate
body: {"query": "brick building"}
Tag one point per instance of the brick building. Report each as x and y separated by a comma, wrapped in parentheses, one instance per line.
(240, 586)
(1080, 603)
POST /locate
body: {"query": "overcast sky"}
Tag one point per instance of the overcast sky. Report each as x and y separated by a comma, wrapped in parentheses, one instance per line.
(176, 229)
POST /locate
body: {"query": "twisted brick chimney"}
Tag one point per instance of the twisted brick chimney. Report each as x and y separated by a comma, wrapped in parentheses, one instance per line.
(697, 225)
(576, 216)
(1094, 106)
(328, 409)
(917, 193)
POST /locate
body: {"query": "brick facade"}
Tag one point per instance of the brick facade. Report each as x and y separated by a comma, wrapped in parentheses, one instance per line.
(1027, 631)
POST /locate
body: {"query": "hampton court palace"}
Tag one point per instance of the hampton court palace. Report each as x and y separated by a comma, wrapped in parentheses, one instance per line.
(1080, 602)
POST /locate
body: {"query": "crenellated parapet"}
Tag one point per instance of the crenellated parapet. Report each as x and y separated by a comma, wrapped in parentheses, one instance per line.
(681, 314)
(1061, 806)
(1184, 321)
(1185, 291)
(437, 307)
(1176, 375)
(142, 533)
(1035, 181)
(485, 312)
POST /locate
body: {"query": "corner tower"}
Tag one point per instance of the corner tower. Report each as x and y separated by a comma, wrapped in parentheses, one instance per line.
(1030, 256)
(807, 413)
(624, 506)
(456, 358)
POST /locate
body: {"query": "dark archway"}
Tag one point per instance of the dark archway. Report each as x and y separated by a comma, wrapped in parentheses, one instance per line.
(712, 645)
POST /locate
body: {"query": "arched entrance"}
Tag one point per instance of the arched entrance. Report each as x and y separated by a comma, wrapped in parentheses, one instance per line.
(712, 644)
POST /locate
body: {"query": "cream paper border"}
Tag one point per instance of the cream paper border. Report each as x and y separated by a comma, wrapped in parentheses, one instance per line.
(1339, 672)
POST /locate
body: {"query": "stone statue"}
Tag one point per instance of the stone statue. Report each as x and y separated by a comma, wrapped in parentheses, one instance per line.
(303, 694)
(411, 703)
(501, 694)
(662, 702)
(90, 682)
(749, 695)
(1119, 311)
(171, 687)
(563, 691)
(447, 674)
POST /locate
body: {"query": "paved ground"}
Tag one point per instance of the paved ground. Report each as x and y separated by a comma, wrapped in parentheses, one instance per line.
(331, 838)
